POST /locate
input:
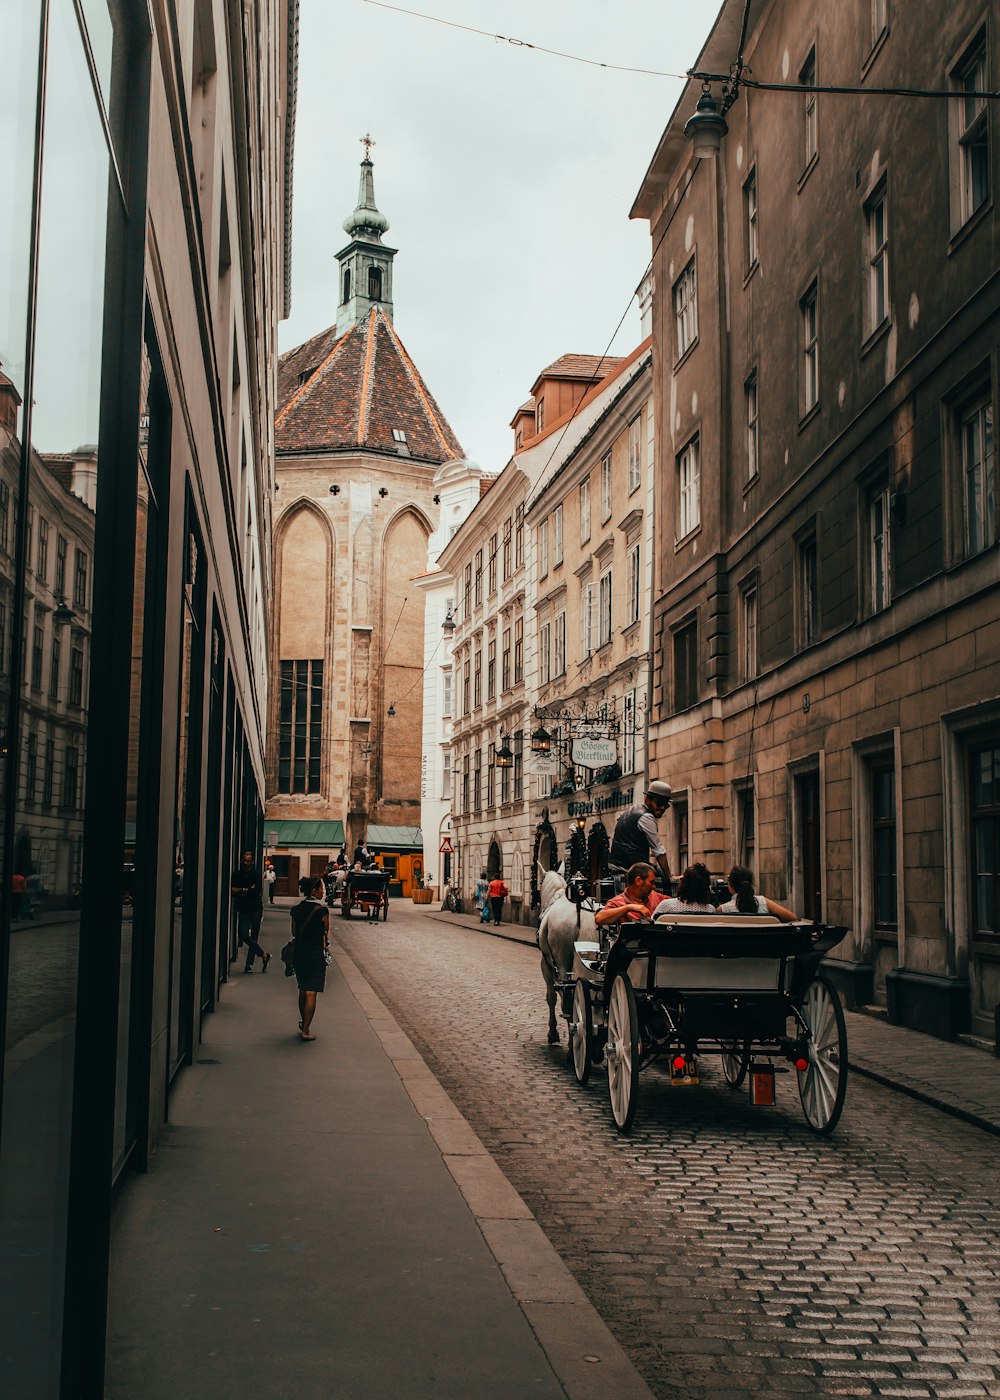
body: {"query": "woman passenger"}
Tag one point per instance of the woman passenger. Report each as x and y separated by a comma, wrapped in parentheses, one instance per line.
(694, 894)
(311, 932)
(746, 901)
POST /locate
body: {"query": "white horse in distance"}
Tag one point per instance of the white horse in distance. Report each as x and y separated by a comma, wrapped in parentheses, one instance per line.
(558, 930)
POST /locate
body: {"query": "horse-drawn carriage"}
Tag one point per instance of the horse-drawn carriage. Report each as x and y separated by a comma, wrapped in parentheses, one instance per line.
(744, 987)
(367, 891)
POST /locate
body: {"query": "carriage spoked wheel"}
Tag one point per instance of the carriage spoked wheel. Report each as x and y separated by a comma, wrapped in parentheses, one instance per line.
(735, 1063)
(823, 1084)
(385, 910)
(581, 1033)
(622, 1052)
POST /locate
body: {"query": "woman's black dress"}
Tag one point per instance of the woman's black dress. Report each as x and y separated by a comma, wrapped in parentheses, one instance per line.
(309, 962)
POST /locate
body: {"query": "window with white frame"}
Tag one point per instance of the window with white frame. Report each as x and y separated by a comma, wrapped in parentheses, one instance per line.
(557, 536)
(505, 659)
(877, 252)
(749, 657)
(586, 619)
(518, 650)
(979, 476)
(809, 312)
(751, 248)
(606, 487)
(970, 79)
(879, 549)
(508, 541)
(518, 536)
(810, 125)
(751, 394)
(559, 644)
(446, 692)
(477, 580)
(491, 565)
(585, 510)
(544, 653)
(604, 609)
(688, 489)
(491, 669)
(446, 773)
(543, 549)
(633, 584)
(629, 731)
(634, 453)
(477, 676)
(467, 591)
(686, 309)
(808, 590)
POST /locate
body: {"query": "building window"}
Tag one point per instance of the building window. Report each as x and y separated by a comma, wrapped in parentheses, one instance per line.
(518, 650)
(634, 453)
(477, 678)
(508, 538)
(686, 666)
(300, 727)
(447, 688)
(30, 536)
(71, 778)
(883, 844)
(682, 840)
(753, 426)
(559, 644)
(629, 731)
(505, 660)
(606, 488)
(477, 580)
(544, 653)
(749, 657)
(37, 644)
(518, 537)
(751, 250)
(506, 772)
(465, 784)
(877, 232)
(491, 565)
(4, 516)
(879, 550)
(48, 772)
(466, 686)
(477, 780)
(375, 283)
(984, 787)
(970, 79)
(604, 609)
(809, 311)
(347, 286)
(979, 477)
(807, 79)
(633, 585)
(518, 771)
(746, 825)
(30, 767)
(543, 549)
(76, 675)
(491, 669)
(557, 536)
(539, 416)
(42, 560)
(586, 619)
(60, 579)
(54, 669)
(808, 591)
(585, 510)
(686, 309)
(688, 489)
(399, 436)
(446, 774)
(467, 591)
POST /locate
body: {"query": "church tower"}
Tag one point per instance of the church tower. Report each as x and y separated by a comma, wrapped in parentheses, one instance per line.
(365, 265)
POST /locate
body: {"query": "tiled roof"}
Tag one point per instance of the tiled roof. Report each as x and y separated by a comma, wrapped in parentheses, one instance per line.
(485, 482)
(353, 391)
(578, 367)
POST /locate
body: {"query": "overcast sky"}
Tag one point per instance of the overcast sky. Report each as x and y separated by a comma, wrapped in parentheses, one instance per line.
(506, 175)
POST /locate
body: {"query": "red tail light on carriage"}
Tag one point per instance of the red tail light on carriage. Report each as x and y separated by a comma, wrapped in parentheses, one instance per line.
(801, 1065)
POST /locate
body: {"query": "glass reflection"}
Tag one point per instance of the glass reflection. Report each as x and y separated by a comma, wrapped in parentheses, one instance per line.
(55, 626)
(19, 25)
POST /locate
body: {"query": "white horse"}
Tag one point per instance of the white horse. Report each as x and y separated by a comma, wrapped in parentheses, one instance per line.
(558, 929)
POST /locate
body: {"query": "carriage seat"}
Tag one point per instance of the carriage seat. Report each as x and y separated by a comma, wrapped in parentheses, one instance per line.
(693, 920)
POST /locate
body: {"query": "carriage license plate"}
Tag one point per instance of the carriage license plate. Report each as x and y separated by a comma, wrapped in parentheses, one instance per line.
(684, 1071)
(761, 1086)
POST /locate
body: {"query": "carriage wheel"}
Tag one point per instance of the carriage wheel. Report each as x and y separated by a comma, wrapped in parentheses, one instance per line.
(823, 1085)
(735, 1063)
(581, 1033)
(622, 1052)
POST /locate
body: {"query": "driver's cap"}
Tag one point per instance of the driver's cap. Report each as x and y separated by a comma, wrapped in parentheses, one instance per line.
(660, 790)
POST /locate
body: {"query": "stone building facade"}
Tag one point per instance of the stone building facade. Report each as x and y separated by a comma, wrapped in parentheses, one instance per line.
(826, 634)
(359, 439)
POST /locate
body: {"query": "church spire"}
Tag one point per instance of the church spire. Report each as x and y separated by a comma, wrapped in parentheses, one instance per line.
(366, 263)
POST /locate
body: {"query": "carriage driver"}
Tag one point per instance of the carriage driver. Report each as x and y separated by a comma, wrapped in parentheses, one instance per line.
(638, 901)
(636, 837)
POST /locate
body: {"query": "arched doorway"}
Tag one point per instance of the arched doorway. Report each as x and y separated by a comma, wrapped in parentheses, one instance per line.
(494, 861)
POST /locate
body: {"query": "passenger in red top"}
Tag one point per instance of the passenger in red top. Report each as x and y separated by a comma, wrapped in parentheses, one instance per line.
(497, 893)
(638, 902)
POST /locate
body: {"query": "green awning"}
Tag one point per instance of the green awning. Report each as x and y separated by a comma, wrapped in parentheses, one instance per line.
(394, 838)
(317, 834)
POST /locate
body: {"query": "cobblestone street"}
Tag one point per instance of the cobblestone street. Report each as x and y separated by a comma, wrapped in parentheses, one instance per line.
(731, 1251)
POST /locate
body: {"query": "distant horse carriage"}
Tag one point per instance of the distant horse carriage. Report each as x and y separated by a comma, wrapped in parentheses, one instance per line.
(744, 987)
(367, 891)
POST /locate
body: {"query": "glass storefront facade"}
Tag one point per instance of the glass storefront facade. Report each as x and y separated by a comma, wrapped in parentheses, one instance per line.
(129, 774)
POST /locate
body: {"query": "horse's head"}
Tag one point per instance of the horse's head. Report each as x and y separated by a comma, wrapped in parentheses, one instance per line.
(553, 885)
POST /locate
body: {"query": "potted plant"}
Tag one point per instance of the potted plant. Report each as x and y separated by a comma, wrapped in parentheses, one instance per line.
(422, 893)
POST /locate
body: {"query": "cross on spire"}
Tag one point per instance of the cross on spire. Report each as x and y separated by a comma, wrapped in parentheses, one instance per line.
(368, 143)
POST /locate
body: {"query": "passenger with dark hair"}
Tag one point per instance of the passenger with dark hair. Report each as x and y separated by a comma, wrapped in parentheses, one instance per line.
(311, 935)
(694, 895)
(746, 901)
(638, 901)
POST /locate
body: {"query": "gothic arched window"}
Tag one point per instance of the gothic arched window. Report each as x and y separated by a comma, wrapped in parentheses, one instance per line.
(347, 286)
(375, 283)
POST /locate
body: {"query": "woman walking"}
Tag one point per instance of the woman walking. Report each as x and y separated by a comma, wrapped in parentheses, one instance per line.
(311, 932)
(480, 897)
(497, 893)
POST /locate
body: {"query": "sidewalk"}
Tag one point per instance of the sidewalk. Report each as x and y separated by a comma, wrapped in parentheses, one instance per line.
(953, 1077)
(321, 1222)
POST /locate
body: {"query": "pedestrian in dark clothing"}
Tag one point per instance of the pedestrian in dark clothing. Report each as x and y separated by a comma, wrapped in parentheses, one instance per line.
(311, 935)
(248, 892)
(497, 893)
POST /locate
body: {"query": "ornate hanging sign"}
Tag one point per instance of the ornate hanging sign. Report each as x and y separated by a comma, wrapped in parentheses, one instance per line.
(594, 753)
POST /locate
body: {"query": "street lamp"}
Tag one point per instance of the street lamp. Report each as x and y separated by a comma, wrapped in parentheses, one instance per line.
(707, 127)
(448, 625)
(504, 755)
(63, 613)
(541, 740)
